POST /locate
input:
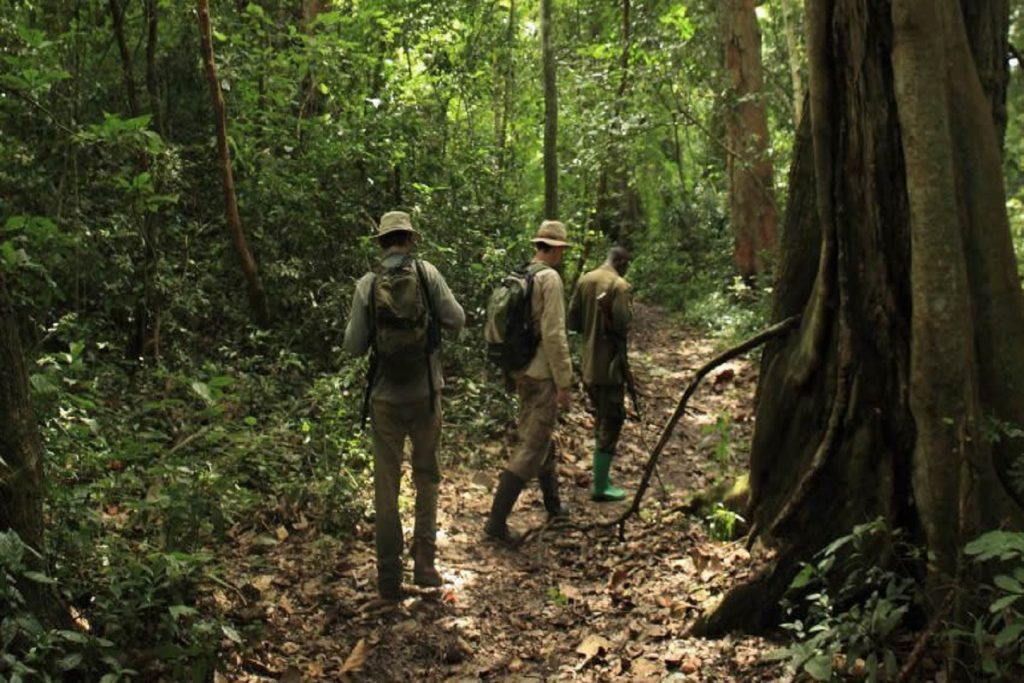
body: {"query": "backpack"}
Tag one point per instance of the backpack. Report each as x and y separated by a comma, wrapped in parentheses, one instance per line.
(405, 330)
(511, 341)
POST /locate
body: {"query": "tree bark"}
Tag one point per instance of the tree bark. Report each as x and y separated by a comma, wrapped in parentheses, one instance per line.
(795, 55)
(896, 250)
(751, 177)
(21, 459)
(550, 111)
(257, 297)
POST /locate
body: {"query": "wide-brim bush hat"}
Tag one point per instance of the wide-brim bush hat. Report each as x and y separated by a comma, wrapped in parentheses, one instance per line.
(395, 221)
(552, 233)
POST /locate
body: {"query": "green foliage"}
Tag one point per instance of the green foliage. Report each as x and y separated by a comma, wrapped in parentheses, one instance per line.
(845, 606)
(722, 523)
(996, 635)
(31, 651)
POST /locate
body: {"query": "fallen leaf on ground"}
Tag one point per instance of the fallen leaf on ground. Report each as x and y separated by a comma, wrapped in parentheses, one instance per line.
(356, 658)
(592, 646)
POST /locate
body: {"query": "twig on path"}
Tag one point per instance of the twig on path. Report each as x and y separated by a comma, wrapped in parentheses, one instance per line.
(666, 433)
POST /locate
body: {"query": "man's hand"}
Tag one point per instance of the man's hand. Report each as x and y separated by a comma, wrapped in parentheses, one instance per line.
(564, 399)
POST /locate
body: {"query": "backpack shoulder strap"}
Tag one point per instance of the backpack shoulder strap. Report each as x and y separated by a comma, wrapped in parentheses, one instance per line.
(426, 290)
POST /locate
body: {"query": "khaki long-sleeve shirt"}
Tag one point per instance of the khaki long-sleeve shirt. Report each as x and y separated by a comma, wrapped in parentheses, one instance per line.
(360, 328)
(600, 345)
(548, 308)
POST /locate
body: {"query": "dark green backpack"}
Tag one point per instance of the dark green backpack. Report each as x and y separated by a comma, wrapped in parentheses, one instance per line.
(405, 331)
(511, 341)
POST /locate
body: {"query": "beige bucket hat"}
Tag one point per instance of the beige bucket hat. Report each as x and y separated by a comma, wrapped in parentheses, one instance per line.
(395, 221)
(553, 233)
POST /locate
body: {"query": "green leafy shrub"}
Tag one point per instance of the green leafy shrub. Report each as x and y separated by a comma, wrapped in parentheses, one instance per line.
(996, 635)
(722, 523)
(845, 606)
(30, 651)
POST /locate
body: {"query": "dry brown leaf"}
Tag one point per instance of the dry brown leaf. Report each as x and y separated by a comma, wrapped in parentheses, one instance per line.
(263, 582)
(617, 578)
(570, 592)
(593, 645)
(691, 665)
(281, 533)
(356, 658)
(291, 675)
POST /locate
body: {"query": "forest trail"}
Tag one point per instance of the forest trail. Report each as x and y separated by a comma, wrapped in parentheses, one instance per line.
(566, 604)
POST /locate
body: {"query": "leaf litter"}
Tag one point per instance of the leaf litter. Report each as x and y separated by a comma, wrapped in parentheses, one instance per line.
(567, 604)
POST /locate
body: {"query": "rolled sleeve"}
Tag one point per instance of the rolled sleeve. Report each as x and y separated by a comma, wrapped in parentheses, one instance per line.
(449, 312)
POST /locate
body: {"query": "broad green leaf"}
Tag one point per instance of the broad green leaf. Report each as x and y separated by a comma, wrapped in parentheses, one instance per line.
(819, 667)
(70, 661)
(1008, 584)
(231, 633)
(1010, 633)
(1002, 603)
(39, 577)
(202, 390)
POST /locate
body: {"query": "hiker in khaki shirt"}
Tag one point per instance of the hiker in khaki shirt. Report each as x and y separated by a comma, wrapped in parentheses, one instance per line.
(404, 409)
(542, 387)
(600, 311)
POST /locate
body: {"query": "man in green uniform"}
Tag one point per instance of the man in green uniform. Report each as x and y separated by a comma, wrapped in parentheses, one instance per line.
(543, 387)
(600, 311)
(404, 406)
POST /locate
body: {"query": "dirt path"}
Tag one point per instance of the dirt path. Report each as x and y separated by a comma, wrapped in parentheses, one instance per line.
(565, 605)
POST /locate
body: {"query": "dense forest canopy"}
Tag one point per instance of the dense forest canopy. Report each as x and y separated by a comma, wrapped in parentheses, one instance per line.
(170, 338)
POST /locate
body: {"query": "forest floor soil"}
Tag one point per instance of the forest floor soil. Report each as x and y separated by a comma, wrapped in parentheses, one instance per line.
(568, 604)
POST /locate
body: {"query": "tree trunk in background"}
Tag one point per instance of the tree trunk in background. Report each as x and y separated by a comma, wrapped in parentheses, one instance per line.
(550, 112)
(152, 82)
(144, 337)
(257, 297)
(503, 104)
(618, 211)
(21, 459)
(751, 198)
(988, 29)
(897, 252)
(794, 48)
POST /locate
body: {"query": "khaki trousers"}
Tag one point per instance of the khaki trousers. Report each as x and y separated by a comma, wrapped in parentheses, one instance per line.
(609, 403)
(392, 423)
(538, 414)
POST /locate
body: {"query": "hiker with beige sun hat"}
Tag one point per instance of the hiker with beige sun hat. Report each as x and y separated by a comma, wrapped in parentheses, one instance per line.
(542, 386)
(398, 311)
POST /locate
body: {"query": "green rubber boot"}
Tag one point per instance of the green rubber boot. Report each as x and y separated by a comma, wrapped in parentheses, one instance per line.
(601, 489)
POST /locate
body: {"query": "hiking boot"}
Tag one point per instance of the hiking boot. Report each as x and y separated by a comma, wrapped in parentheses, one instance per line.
(601, 489)
(509, 487)
(552, 501)
(389, 586)
(424, 573)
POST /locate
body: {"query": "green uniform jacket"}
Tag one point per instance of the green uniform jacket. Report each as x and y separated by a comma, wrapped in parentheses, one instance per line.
(599, 347)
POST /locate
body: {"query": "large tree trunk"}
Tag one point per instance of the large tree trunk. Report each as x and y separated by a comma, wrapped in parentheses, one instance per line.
(550, 112)
(21, 460)
(751, 195)
(896, 251)
(257, 297)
